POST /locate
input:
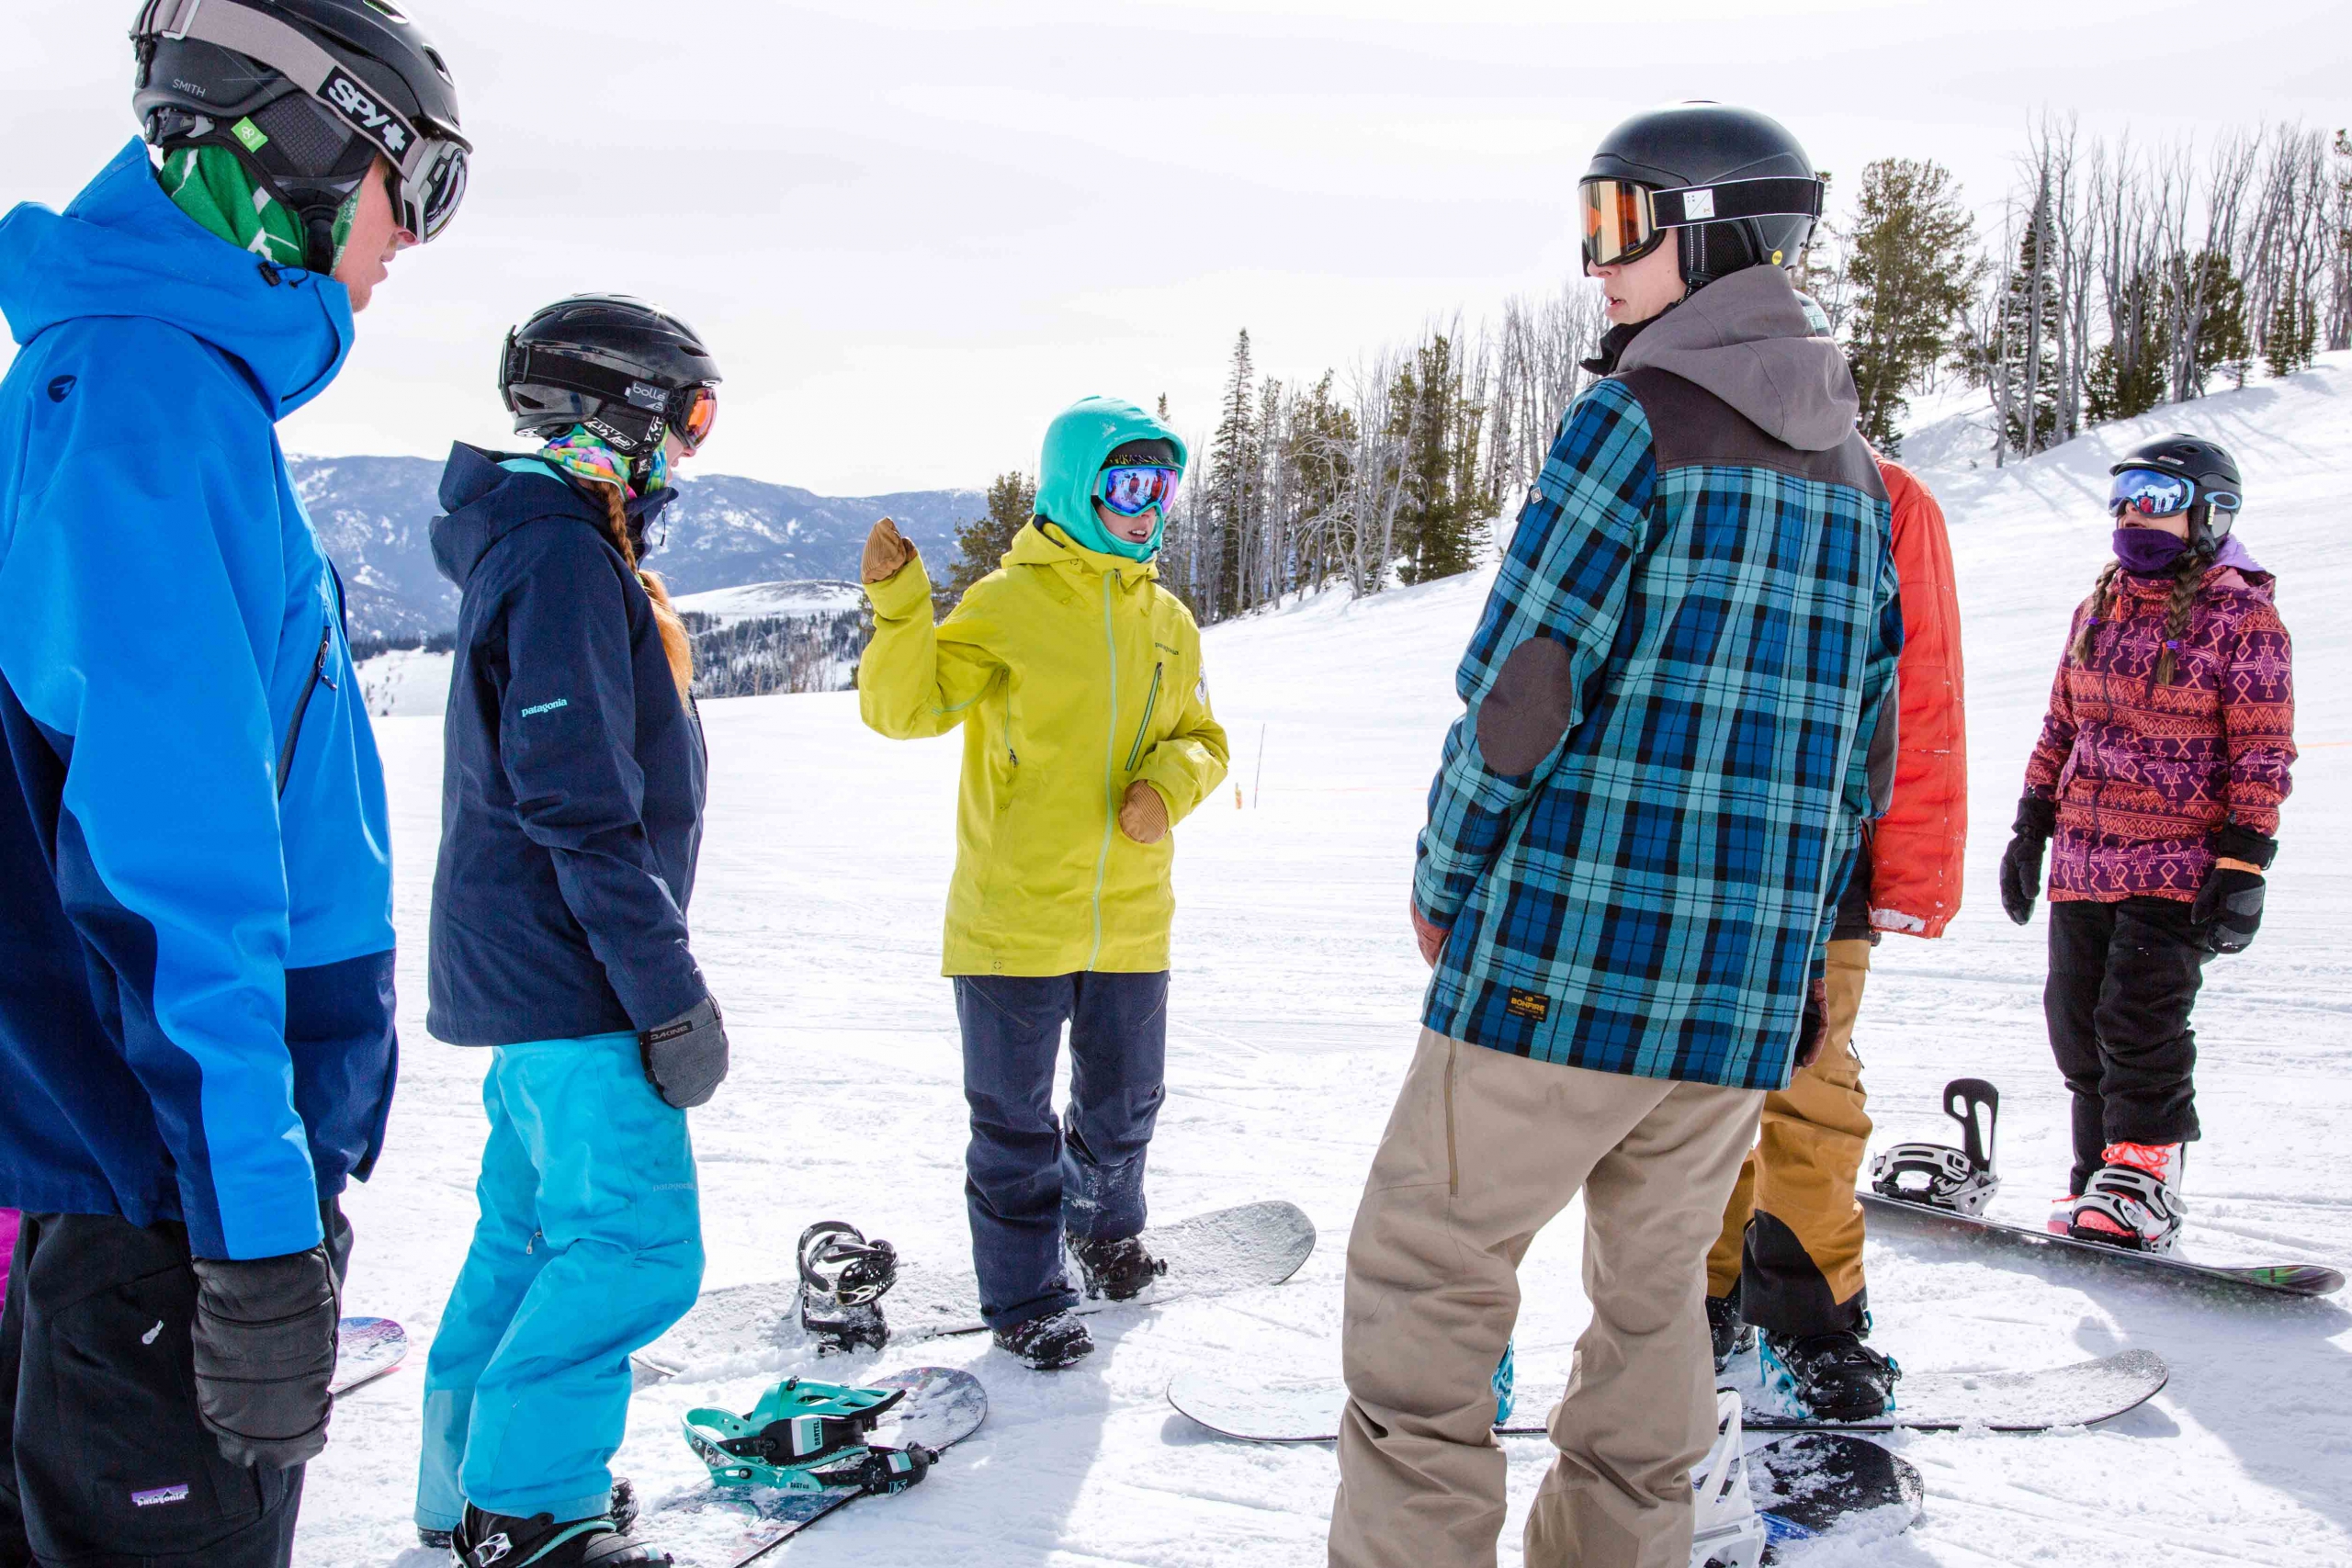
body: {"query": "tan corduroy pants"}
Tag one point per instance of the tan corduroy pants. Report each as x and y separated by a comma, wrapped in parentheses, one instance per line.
(1482, 1151)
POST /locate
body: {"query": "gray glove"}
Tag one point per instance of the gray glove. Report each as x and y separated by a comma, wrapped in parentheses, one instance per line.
(686, 1059)
(265, 1336)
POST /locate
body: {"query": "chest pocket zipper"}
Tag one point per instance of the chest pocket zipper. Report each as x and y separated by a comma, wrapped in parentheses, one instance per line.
(1150, 701)
(302, 706)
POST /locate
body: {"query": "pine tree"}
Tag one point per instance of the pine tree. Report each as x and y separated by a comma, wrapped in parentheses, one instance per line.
(1443, 521)
(980, 543)
(2128, 374)
(1912, 274)
(2290, 338)
(1232, 481)
(2223, 345)
(2025, 369)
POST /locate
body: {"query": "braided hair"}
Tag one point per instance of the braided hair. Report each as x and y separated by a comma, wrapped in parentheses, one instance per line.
(675, 643)
(2102, 600)
(2187, 579)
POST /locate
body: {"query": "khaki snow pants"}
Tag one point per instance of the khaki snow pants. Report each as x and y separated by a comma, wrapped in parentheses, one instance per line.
(1482, 1151)
(1800, 1270)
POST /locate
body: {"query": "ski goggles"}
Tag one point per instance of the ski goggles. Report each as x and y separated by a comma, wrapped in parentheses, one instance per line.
(1133, 492)
(1624, 222)
(688, 413)
(2151, 493)
(428, 158)
(692, 411)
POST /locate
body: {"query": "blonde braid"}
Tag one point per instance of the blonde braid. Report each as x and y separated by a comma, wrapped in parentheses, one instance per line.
(675, 643)
(2102, 597)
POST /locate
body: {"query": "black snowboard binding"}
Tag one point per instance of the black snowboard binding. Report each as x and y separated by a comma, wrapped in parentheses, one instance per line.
(1116, 1270)
(622, 1510)
(506, 1541)
(1833, 1377)
(1938, 1176)
(844, 1277)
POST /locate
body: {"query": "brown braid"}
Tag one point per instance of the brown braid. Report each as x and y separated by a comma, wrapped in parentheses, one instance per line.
(675, 643)
(2186, 581)
(2102, 599)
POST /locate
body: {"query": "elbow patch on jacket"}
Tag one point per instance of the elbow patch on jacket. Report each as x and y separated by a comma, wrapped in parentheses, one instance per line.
(1528, 711)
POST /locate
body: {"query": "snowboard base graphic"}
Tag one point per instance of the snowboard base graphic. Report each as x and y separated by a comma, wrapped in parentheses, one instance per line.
(366, 1349)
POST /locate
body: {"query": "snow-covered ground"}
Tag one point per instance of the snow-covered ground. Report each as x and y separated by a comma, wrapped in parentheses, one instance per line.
(406, 682)
(1297, 985)
(756, 601)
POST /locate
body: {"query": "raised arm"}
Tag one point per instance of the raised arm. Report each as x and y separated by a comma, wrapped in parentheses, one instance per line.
(918, 680)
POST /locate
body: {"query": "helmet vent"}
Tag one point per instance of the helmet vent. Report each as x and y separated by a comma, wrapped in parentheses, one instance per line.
(380, 5)
(440, 65)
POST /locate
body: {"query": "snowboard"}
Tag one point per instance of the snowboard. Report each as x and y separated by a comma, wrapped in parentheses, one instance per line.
(366, 1349)
(2078, 1396)
(2269, 1279)
(749, 1328)
(1811, 1485)
(727, 1528)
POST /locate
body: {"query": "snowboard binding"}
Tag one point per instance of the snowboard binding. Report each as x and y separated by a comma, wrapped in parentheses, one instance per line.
(1726, 1532)
(807, 1436)
(844, 1277)
(1960, 1180)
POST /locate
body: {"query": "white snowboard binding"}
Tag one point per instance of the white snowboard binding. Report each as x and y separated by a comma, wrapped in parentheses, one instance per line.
(1727, 1531)
(2134, 1200)
(1936, 1175)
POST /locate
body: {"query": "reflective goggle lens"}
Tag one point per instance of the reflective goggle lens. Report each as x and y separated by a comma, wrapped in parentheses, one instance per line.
(702, 412)
(1131, 492)
(1617, 226)
(2149, 492)
(433, 199)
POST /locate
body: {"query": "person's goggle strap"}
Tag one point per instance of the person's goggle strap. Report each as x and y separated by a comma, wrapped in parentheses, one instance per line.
(1132, 492)
(2151, 493)
(429, 159)
(688, 413)
(1624, 222)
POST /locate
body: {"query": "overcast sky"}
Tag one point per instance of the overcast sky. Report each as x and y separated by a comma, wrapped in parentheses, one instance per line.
(912, 230)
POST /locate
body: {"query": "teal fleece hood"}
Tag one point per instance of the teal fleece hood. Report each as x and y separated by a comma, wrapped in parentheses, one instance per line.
(1076, 443)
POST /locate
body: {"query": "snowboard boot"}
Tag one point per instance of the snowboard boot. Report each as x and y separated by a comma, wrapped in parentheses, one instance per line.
(1733, 1335)
(1116, 1270)
(1050, 1343)
(622, 1509)
(2134, 1200)
(844, 1277)
(506, 1541)
(1833, 1377)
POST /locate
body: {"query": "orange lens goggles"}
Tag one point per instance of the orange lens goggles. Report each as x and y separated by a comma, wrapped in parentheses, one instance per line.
(1619, 225)
(701, 413)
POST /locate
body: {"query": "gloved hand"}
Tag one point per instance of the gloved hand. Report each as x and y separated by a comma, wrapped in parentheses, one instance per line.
(2021, 861)
(2229, 906)
(1143, 815)
(886, 551)
(1431, 938)
(1815, 1027)
(265, 1354)
(686, 1059)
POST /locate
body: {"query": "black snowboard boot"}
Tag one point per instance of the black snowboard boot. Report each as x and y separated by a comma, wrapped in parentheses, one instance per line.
(1834, 1377)
(1116, 1270)
(1048, 1343)
(503, 1540)
(622, 1509)
(1731, 1333)
(844, 1277)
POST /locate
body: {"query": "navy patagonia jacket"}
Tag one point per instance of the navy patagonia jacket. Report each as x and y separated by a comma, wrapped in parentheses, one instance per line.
(572, 788)
(195, 930)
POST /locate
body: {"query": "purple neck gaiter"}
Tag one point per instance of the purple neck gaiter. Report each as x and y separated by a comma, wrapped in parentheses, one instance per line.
(2148, 552)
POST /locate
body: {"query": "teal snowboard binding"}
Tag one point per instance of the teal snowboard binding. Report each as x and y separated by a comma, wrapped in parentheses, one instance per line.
(807, 1436)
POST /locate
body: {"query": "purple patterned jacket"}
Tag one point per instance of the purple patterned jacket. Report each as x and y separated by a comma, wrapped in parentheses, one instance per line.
(2143, 774)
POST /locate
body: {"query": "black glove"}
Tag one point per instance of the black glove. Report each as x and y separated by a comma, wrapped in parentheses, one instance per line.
(686, 1059)
(2229, 906)
(264, 1338)
(2021, 861)
(1815, 1027)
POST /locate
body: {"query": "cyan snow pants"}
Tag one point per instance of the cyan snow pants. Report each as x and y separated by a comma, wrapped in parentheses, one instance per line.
(1028, 1176)
(588, 1247)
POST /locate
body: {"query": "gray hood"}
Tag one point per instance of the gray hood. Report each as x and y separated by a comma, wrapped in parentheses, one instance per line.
(1746, 339)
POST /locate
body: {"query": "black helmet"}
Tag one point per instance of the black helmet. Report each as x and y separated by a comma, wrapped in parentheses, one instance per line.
(630, 373)
(2217, 495)
(307, 93)
(1734, 182)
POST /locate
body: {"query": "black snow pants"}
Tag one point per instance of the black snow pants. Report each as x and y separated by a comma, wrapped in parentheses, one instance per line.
(104, 1462)
(2122, 979)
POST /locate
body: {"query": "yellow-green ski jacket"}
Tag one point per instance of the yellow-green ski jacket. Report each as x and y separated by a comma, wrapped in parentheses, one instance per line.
(1073, 674)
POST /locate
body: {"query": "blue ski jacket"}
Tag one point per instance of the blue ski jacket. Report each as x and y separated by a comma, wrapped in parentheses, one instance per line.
(571, 789)
(196, 936)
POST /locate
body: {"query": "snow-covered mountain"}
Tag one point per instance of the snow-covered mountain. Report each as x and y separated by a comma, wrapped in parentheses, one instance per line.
(374, 516)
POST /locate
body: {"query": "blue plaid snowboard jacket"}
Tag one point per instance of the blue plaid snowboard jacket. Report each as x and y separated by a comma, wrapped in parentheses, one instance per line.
(1641, 825)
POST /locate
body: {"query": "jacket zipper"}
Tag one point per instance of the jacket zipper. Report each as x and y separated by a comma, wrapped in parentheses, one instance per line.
(1150, 703)
(1110, 770)
(302, 706)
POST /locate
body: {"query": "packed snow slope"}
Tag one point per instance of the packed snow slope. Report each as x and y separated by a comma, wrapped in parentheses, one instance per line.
(1294, 1013)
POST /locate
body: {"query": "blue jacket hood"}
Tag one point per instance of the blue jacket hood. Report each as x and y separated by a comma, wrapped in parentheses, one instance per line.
(487, 495)
(123, 249)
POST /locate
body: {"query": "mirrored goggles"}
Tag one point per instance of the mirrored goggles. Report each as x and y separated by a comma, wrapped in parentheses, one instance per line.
(1131, 492)
(1619, 225)
(429, 197)
(2151, 493)
(692, 413)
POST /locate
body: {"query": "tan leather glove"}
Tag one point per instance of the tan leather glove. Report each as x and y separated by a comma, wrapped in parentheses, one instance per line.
(1143, 815)
(887, 552)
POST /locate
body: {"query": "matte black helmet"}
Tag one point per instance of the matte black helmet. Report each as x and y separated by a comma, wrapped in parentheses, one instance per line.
(2217, 495)
(306, 94)
(630, 372)
(1735, 184)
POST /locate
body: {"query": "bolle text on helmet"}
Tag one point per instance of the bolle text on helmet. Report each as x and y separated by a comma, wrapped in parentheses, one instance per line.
(378, 124)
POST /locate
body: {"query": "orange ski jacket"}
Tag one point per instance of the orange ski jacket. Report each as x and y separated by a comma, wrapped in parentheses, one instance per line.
(1917, 847)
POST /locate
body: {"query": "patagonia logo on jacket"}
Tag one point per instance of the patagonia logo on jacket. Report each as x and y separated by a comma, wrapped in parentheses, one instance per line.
(546, 708)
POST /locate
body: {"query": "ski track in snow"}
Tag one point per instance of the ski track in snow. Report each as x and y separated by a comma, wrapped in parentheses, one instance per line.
(1297, 988)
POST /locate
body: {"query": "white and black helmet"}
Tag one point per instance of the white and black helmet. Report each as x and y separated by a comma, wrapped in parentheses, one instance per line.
(306, 94)
(630, 372)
